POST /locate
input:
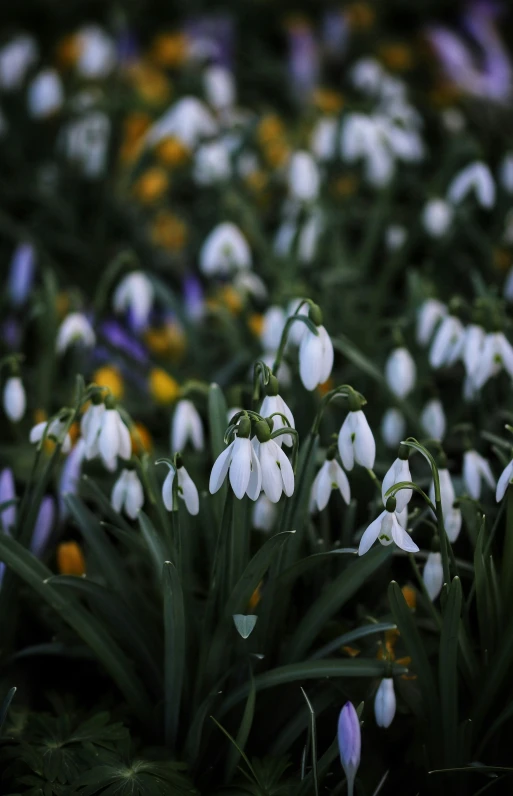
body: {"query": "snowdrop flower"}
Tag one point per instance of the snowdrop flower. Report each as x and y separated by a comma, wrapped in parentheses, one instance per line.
(296, 330)
(21, 274)
(451, 515)
(315, 353)
(186, 426)
(398, 472)
(90, 425)
(264, 513)
(395, 236)
(272, 403)
(225, 249)
(473, 343)
(308, 237)
(86, 142)
(15, 400)
(385, 703)
(189, 120)
(43, 526)
(387, 529)
(393, 427)
(135, 293)
(366, 75)
(54, 430)
(429, 314)
(433, 575)
(447, 343)
(212, 164)
(97, 53)
(432, 419)
(475, 178)
(219, 87)
(400, 372)
(356, 441)
(70, 475)
(437, 217)
(74, 329)
(240, 461)
(248, 283)
(476, 470)
(16, 58)
(112, 439)
(276, 470)
(330, 476)
(45, 94)
(349, 743)
(496, 353)
(187, 490)
(127, 494)
(504, 481)
(7, 493)
(324, 139)
(506, 172)
(272, 328)
(303, 177)
(361, 140)
(453, 120)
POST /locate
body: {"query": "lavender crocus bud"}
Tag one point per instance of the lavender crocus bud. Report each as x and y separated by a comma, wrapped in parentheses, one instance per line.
(70, 475)
(7, 493)
(349, 743)
(44, 524)
(21, 274)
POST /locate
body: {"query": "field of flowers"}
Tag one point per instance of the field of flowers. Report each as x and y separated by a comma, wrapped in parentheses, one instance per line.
(256, 363)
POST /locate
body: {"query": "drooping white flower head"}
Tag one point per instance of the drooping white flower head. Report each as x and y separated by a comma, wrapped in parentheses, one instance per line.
(45, 94)
(395, 237)
(272, 328)
(385, 703)
(16, 58)
(324, 138)
(106, 435)
(264, 514)
(451, 514)
(447, 343)
(393, 427)
(432, 419)
(437, 217)
(506, 478)
(472, 349)
(241, 463)
(400, 372)
(316, 353)
(74, 329)
(363, 139)
(220, 91)
(276, 470)
(189, 120)
(15, 400)
(135, 294)
(398, 472)
(21, 273)
(90, 426)
(429, 314)
(127, 494)
(248, 283)
(85, 141)
(387, 529)
(296, 330)
(224, 250)
(475, 178)
(70, 475)
(187, 490)
(308, 238)
(273, 402)
(476, 469)
(186, 426)
(7, 494)
(496, 353)
(356, 441)
(433, 575)
(366, 75)
(303, 177)
(331, 476)
(97, 53)
(55, 432)
(506, 172)
(212, 163)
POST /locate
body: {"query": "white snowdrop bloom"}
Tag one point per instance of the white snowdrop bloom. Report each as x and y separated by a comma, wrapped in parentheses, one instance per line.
(264, 514)
(356, 441)
(97, 52)
(272, 328)
(249, 283)
(395, 237)
(362, 140)
(398, 472)
(275, 403)
(86, 142)
(55, 432)
(385, 703)
(447, 342)
(212, 163)
(437, 217)
(113, 439)
(475, 178)
(276, 470)
(402, 518)
(430, 312)
(506, 172)
(303, 177)
(400, 372)
(324, 138)
(15, 400)
(90, 427)
(504, 481)
(393, 427)
(452, 515)
(316, 357)
(16, 58)
(284, 238)
(225, 249)
(476, 469)
(187, 490)
(496, 353)
(432, 419)
(135, 293)
(7, 494)
(298, 328)
(219, 87)
(186, 426)
(70, 475)
(330, 476)
(308, 237)
(240, 461)
(45, 94)
(366, 75)
(127, 494)
(404, 143)
(189, 120)
(387, 529)
(453, 120)
(433, 575)
(74, 329)
(472, 350)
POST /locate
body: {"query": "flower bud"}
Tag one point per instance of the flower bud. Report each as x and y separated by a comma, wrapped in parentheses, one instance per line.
(272, 387)
(433, 575)
(391, 504)
(385, 703)
(244, 427)
(262, 431)
(315, 314)
(349, 743)
(14, 398)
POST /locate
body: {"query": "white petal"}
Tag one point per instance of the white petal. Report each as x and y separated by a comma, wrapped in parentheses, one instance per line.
(220, 469)
(240, 466)
(402, 538)
(486, 472)
(385, 703)
(371, 534)
(433, 575)
(118, 495)
(321, 487)
(452, 523)
(125, 443)
(364, 444)
(287, 472)
(310, 360)
(108, 440)
(255, 479)
(341, 480)
(272, 482)
(36, 432)
(189, 491)
(345, 443)
(14, 399)
(167, 489)
(134, 495)
(327, 355)
(471, 475)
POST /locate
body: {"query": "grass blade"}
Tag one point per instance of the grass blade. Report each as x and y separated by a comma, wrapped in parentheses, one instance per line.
(174, 649)
(236, 750)
(6, 704)
(448, 671)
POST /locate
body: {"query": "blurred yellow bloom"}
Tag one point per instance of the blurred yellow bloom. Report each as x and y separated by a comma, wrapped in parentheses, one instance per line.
(359, 16)
(62, 304)
(151, 84)
(74, 432)
(70, 559)
(110, 377)
(502, 259)
(231, 299)
(163, 388)
(168, 231)
(172, 152)
(151, 185)
(255, 597)
(444, 95)
(256, 323)
(324, 388)
(269, 128)
(134, 127)
(410, 595)
(328, 101)
(276, 152)
(166, 341)
(169, 49)
(256, 180)
(68, 51)
(345, 186)
(396, 56)
(351, 651)
(141, 439)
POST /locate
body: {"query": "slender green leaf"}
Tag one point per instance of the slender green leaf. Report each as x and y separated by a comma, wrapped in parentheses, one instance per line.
(104, 504)
(448, 669)
(310, 562)
(4, 709)
(254, 572)
(352, 635)
(174, 645)
(234, 753)
(156, 545)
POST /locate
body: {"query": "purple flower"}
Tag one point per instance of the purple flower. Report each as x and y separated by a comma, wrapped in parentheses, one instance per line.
(11, 333)
(193, 297)
(21, 274)
(43, 527)
(211, 38)
(118, 337)
(335, 33)
(303, 59)
(349, 743)
(7, 493)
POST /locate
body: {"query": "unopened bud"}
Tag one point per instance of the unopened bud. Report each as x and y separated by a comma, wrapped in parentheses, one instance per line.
(315, 314)
(391, 504)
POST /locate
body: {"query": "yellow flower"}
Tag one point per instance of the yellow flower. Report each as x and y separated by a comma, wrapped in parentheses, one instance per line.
(109, 377)
(167, 341)
(163, 388)
(502, 259)
(134, 127)
(68, 51)
(151, 185)
(172, 152)
(276, 152)
(169, 49)
(359, 16)
(256, 323)
(62, 304)
(324, 388)
(70, 559)
(151, 84)
(410, 595)
(256, 180)
(328, 101)
(444, 95)
(168, 231)
(231, 299)
(396, 56)
(345, 186)
(269, 128)
(351, 651)
(141, 439)
(255, 597)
